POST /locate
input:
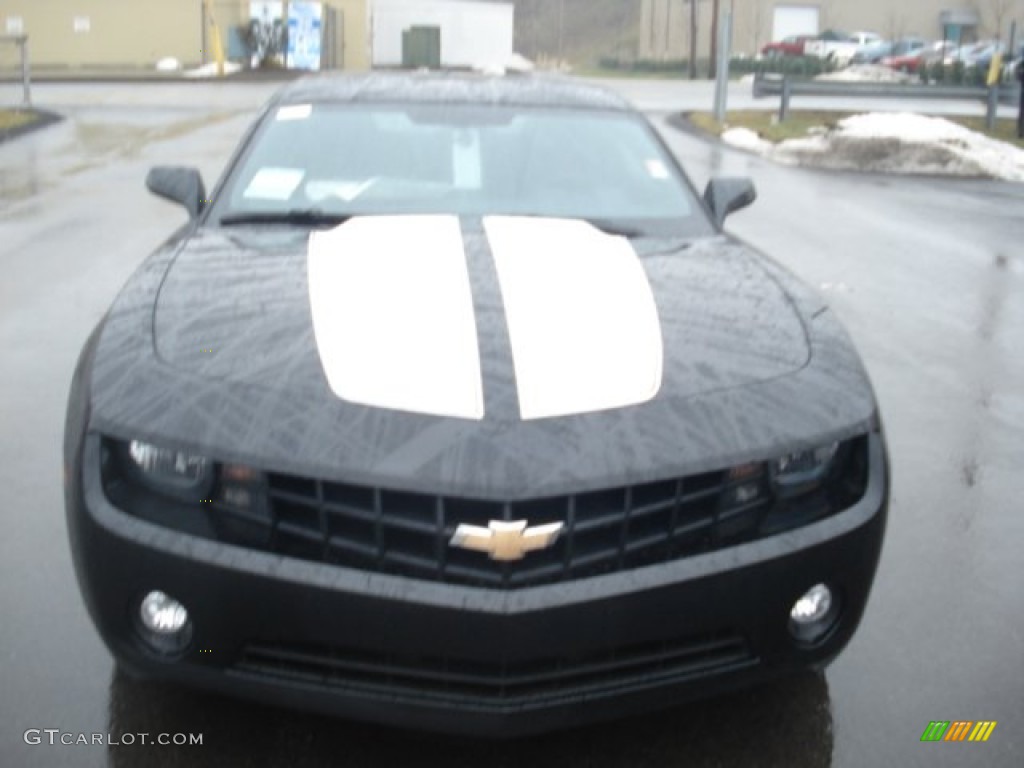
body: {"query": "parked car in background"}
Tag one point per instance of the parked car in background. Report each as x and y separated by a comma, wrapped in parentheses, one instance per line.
(872, 53)
(909, 54)
(967, 54)
(840, 48)
(982, 58)
(1011, 63)
(787, 46)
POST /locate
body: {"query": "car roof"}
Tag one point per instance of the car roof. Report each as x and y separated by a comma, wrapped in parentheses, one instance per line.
(528, 90)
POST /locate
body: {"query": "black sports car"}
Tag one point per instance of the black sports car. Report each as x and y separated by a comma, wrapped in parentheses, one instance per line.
(453, 407)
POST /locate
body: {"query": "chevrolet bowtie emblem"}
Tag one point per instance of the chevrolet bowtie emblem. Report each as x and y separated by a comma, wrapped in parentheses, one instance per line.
(506, 541)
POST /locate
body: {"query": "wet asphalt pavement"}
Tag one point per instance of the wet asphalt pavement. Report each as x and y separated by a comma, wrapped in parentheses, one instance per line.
(927, 274)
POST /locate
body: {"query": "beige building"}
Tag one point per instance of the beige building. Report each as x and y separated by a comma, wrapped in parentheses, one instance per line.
(664, 24)
(135, 34)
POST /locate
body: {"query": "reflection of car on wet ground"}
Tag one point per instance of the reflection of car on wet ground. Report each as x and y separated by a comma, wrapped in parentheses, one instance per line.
(455, 408)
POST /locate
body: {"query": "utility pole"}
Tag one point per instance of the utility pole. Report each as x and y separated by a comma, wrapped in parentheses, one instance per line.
(561, 32)
(693, 39)
(713, 60)
(724, 55)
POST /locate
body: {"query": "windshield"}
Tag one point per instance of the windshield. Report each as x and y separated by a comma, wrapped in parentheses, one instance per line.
(345, 160)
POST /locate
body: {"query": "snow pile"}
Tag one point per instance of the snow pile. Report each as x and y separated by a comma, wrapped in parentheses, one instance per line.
(519, 63)
(514, 64)
(744, 138)
(210, 70)
(168, 64)
(866, 73)
(893, 143)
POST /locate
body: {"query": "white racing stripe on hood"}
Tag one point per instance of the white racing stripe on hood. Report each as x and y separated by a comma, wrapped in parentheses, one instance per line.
(393, 314)
(582, 319)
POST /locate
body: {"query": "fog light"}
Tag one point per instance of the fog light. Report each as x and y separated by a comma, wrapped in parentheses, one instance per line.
(164, 623)
(815, 603)
(814, 614)
(162, 614)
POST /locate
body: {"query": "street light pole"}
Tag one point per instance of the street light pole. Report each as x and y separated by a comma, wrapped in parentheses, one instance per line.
(693, 39)
(724, 54)
(561, 32)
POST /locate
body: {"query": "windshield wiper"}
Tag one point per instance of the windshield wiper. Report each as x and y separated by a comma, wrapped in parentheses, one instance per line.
(296, 216)
(610, 227)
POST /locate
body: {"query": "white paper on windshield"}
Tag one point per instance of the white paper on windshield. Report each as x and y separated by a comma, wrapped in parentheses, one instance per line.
(343, 190)
(274, 184)
(466, 171)
(657, 169)
(294, 112)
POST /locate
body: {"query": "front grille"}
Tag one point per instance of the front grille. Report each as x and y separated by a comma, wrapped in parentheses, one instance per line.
(501, 683)
(408, 534)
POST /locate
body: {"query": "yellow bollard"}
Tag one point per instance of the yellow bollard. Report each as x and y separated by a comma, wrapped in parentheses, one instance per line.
(995, 70)
(218, 46)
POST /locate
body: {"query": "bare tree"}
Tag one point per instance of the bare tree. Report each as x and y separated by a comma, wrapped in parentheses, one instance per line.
(757, 20)
(827, 15)
(896, 24)
(995, 13)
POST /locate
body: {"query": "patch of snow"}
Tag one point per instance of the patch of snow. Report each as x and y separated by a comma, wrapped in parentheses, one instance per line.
(748, 79)
(893, 143)
(516, 64)
(491, 70)
(210, 70)
(866, 73)
(519, 63)
(168, 64)
(744, 138)
(836, 288)
(909, 126)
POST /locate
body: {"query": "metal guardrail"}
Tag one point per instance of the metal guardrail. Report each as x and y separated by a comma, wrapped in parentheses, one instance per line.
(786, 88)
(26, 78)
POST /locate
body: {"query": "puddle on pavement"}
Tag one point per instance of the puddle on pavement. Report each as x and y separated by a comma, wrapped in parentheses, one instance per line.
(89, 143)
(18, 184)
(21, 179)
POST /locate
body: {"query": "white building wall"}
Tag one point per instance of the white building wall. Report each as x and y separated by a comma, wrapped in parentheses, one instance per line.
(472, 33)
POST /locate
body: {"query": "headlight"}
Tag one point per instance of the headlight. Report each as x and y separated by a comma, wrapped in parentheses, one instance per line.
(178, 474)
(802, 471)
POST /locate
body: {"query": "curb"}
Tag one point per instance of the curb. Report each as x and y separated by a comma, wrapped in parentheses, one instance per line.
(245, 76)
(43, 119)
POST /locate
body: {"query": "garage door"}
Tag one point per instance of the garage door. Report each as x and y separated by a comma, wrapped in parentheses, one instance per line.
(794, 20)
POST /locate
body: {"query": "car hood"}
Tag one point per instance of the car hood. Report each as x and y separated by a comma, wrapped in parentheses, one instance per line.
(687, 319)
(474, 372)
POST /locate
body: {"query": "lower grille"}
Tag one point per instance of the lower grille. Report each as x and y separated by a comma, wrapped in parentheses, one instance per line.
(500, 684)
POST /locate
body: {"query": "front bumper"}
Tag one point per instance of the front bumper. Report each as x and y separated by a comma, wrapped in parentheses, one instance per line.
(469, 660)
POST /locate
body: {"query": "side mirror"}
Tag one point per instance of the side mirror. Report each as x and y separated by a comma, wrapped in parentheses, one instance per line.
(726, 195)
(179, 185)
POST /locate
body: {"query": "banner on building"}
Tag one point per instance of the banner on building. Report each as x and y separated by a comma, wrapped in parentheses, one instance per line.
(266, 32)
(305, 32)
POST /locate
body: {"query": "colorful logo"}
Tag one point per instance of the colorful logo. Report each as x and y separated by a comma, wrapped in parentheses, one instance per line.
(958, 730)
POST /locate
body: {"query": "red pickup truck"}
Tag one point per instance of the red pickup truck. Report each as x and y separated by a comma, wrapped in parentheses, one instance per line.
(787, 46)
